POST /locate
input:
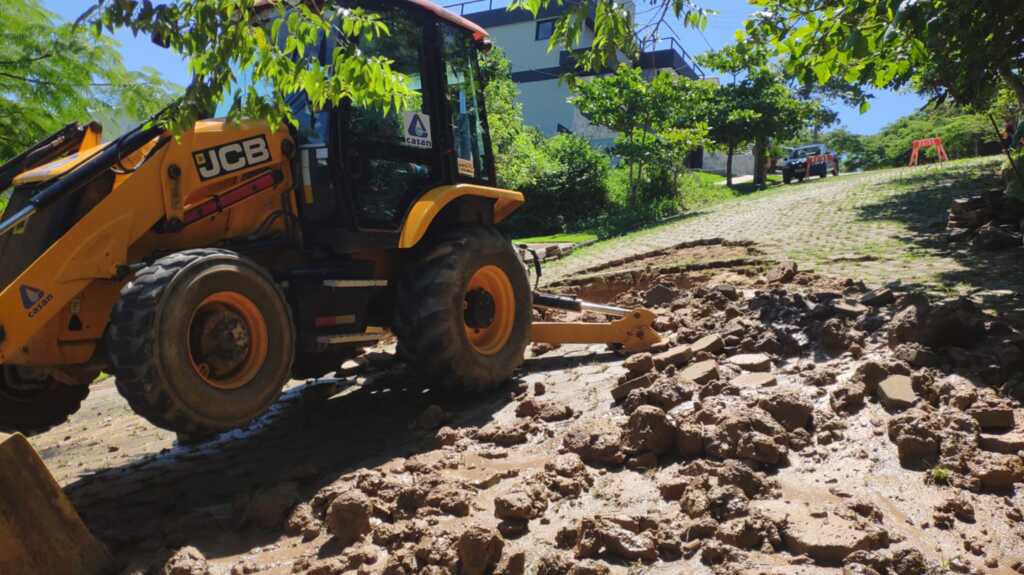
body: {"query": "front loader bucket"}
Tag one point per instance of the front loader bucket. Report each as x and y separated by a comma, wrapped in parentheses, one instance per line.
(40, 532)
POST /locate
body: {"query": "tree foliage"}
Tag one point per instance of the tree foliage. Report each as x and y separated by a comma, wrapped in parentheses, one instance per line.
(52, 73)
(964, 134)
(233, 48)
(949, 48)
(758, 108)
(657, 121)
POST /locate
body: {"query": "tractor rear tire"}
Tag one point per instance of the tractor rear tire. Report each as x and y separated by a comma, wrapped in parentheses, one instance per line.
(34, 406)
(201, 341)
(464, 310)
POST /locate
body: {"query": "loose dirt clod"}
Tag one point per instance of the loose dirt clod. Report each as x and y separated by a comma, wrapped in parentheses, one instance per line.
(187, 561)
(348, 518)
(479, 550)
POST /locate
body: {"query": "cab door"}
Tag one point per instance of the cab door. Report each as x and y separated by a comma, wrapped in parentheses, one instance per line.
(390, 158)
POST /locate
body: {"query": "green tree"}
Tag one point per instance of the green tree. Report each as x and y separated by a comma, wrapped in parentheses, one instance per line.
(654, 120)
(758, 108)
(52, 73)
(847, 145)
(517, 147)
(949, 48)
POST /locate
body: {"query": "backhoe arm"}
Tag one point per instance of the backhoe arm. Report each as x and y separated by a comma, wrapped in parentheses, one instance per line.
(632, 330)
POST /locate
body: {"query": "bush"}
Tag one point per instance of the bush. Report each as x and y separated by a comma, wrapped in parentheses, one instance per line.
(565, 185)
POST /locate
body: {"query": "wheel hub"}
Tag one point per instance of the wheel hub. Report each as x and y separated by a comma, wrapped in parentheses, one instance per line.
(224, 342)
(228, 340)
(480, 309)
(490, 310)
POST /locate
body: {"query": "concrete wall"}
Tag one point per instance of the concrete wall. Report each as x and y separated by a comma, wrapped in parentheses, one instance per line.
(742, 163)
(545, 105)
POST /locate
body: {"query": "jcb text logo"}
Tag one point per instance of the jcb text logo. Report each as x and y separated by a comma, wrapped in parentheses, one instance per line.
(231, 157)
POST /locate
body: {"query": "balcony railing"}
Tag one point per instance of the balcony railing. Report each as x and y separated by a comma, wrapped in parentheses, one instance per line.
(670, 42)
(473, 6)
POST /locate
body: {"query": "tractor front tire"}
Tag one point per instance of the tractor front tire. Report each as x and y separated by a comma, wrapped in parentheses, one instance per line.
(30, 406)
(201, 341)
(464, 310)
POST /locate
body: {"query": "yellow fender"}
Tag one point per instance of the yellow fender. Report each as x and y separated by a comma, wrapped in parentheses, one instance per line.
(422, 213)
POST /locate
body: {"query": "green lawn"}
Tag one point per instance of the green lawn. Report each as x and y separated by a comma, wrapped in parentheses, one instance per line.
(566, 238)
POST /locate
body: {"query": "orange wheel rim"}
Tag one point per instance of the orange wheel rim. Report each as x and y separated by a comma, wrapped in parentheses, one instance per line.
(490, 310)
(227, 340)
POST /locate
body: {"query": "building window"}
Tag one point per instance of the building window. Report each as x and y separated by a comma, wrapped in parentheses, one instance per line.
(545, 28)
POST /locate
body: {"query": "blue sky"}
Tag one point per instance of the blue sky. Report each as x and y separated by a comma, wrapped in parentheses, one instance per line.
(885, 107)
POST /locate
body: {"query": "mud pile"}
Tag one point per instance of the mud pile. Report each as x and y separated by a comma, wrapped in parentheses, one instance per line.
(789, 423)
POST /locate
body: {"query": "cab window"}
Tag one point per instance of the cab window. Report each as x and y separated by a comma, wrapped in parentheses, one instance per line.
(465, 99)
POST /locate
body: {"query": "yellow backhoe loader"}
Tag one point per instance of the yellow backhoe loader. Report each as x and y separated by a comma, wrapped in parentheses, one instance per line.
(207, 270)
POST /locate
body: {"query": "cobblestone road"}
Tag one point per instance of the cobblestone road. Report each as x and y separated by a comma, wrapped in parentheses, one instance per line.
(877, 226)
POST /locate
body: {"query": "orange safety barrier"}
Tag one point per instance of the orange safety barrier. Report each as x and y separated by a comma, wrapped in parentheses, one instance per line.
(918, 145)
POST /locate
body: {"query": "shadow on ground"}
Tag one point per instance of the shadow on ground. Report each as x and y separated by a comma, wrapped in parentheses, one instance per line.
(314, 434)
(997, 278)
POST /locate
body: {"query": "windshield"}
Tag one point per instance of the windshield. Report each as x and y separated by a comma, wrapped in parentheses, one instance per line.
(805, 152)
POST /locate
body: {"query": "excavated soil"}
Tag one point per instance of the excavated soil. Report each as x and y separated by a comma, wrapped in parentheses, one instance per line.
(790, 423)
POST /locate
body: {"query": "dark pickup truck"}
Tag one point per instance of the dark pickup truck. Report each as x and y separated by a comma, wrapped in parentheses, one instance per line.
(823, 162)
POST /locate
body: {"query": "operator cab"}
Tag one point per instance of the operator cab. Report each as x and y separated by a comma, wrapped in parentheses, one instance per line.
(360, 168)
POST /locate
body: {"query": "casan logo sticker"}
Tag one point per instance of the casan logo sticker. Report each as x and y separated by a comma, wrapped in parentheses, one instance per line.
(417, 130)
(232, 157)
(34, 299)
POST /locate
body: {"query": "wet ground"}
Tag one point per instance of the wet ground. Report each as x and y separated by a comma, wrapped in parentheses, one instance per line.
(783, 427)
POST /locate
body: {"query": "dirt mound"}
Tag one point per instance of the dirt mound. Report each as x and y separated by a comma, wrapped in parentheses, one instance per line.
(789, 423)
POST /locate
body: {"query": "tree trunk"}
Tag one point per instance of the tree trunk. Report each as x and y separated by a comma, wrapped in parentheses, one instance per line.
(1013, 80)
(728, 165)
(760, 169)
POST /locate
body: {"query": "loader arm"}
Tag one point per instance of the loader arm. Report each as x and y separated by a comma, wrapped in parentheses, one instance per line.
(92, 249)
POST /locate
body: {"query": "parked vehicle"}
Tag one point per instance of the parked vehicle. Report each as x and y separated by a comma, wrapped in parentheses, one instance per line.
(822, 160)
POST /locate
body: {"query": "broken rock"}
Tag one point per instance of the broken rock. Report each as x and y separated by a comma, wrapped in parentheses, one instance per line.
(752, 361)
(712, 343)
(896, 393)
(754, 380)
(1011, 443)
(479, 550)
(622, 390)
(701, 372)
(827, 538)
(992, 418)
(788, 409)
(521, 504)
(596, 441)
(187, 561)
(677, 356)
(783, 272)
(659, 295)
(649, 430)
(638, 364)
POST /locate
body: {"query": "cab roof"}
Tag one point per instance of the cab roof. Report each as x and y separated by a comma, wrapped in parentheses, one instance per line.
(479, 34)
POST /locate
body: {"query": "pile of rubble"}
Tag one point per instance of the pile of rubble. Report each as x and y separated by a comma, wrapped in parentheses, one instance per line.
(990, 222)
(789, 423)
